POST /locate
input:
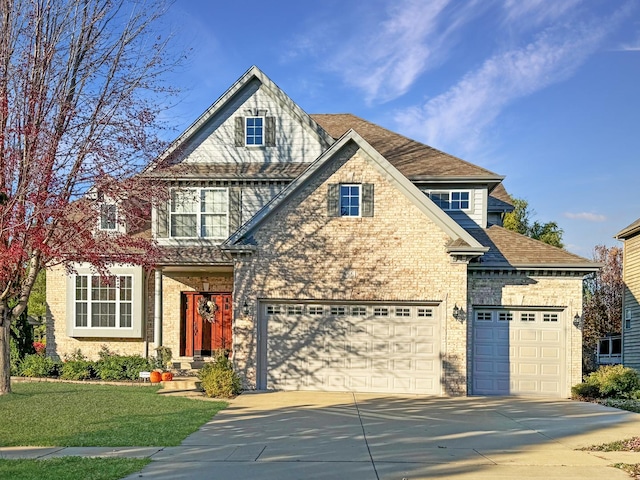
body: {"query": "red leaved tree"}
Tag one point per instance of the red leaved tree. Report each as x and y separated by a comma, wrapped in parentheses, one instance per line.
(79, 83)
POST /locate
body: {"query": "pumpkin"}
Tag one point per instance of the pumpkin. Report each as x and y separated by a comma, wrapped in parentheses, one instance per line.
(155, 377)
(167, 376)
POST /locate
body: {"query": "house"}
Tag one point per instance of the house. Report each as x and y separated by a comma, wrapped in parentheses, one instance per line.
(630, 236)
(328, 253)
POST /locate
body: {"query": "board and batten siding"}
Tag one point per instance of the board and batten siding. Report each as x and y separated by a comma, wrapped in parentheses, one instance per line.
(631, 301)
(473, 218)
(215, 141)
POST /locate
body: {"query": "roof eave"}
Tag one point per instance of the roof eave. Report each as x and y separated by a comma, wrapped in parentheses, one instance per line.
(456, 179)
(573, 267)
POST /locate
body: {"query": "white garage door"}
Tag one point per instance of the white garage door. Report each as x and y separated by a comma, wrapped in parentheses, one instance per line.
(363, 348)
(518, 353)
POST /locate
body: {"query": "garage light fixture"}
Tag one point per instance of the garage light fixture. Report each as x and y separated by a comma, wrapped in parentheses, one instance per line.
(458, 313)
(577, 321)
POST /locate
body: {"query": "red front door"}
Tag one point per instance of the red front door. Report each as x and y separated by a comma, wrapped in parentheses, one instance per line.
(200, 337)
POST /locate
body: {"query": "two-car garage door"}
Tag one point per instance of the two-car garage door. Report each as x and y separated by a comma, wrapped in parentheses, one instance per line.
(359, 347)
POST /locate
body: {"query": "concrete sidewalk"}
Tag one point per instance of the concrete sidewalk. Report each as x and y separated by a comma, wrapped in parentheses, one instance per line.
(311, 435)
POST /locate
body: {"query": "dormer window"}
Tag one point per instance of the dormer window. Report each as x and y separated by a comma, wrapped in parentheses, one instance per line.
(451, 200)
(254, 128)
(108, 216)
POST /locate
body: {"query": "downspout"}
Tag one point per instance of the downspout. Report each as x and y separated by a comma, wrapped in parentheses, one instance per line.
(157, 310)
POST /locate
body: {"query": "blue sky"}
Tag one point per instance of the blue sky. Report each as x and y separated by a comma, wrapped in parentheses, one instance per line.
(545, 92)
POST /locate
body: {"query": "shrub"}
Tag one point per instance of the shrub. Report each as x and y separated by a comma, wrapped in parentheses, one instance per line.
(584, 391)
(120, 367)
(77, 367)
(609, 381)
(614, 381)
(38, 366)
(218, 378)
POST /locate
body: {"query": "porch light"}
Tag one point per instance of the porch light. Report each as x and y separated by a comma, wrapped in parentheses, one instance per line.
(577, 321)
(458, 313)
(245, 308)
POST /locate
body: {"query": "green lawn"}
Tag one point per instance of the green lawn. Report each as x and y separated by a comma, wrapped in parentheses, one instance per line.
(71, 468)
(77, 415)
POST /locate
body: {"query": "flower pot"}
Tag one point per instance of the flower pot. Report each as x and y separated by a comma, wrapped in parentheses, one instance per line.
(167, 376)
(155, 377)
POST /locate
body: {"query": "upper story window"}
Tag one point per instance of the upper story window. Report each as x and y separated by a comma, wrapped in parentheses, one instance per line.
(108, 216)
(453, 200)
(199, 212)
(350, 200)
(254, 130)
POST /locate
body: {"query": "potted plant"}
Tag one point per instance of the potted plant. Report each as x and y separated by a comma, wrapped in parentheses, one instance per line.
(163, 363)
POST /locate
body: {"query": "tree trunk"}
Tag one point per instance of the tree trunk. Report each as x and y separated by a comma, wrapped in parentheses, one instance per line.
(5, 348)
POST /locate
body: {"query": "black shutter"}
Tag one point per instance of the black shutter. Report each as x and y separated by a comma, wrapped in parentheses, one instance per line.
(162, 215)
(367, 199)
(270, 131)
(240, 132)
(234, 209)
(333, 200)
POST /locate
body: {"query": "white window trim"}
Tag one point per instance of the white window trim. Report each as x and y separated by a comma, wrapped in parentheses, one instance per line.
(199, 213)
(359, 186)
(246, 131)
(137, 315)
(449, 192)
(90, 301)
(100, 213)
(609, 358)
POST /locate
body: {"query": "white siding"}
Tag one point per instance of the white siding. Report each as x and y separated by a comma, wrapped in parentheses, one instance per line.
(295, 142)
(254, 198)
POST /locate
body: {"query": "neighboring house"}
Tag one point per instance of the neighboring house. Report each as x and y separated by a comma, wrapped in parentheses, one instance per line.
(340, 256)
(630, 237)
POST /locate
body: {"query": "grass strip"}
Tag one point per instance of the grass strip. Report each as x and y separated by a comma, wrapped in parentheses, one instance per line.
(71, 468)
(78, 415)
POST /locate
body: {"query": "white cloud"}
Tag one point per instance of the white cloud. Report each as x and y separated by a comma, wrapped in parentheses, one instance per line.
(384, 47)
(384, 60)
(589, 217)
(535, 12)
(461, 114)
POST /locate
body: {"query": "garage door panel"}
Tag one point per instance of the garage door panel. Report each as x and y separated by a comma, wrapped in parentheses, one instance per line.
(516, 357)
(402, 348)
(402, 331)
(396, 351)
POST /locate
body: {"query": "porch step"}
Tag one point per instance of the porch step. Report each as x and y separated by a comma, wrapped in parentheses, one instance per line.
(181, 384)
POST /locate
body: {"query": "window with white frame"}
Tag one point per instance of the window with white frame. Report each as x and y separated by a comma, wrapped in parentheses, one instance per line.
(108, 216)
(254, 130)
(451, 200)
(104, 302)
(350, 200)
(199, 212)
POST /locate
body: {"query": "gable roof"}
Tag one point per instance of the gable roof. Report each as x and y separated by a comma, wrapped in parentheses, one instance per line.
(254, 73)
(461, 241)
(508, 249)
(629, 231)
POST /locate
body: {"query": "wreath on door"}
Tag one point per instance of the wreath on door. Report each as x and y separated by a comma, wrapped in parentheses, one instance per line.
(207, 309)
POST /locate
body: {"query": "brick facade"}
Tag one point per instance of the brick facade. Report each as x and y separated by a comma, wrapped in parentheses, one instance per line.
(398, 254)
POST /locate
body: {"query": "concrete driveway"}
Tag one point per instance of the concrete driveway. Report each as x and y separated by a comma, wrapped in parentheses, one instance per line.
(304, 435)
